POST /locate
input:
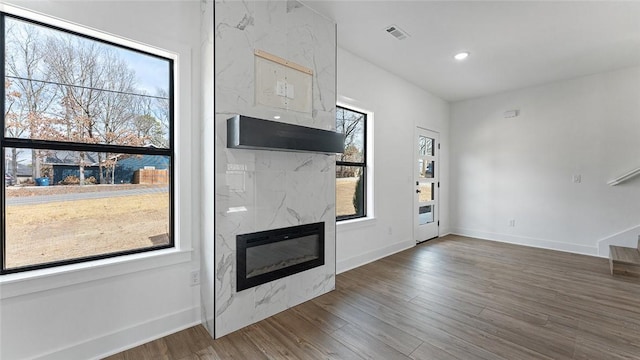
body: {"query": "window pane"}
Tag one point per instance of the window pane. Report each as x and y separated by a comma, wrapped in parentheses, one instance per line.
(426, 192)
(64, 87)
(352, 125)
(350, 191)
(123, 204)
(425, 169)
(425, 146)
(425, 214)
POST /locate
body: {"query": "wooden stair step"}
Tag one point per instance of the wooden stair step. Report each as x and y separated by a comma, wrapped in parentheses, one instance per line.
(624, 261)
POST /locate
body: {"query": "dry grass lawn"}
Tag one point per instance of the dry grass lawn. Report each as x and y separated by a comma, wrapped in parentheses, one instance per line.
(345, 188)
(57, 231)
(63, 230)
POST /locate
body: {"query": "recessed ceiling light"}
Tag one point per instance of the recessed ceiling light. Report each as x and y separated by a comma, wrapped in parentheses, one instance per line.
(461, 56)
(277, 117)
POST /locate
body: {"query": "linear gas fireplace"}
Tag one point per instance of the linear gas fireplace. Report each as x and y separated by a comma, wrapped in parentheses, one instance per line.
(273, 254)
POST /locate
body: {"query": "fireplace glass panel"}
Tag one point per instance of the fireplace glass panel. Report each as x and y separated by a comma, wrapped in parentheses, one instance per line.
(267, 258)
(268, 255)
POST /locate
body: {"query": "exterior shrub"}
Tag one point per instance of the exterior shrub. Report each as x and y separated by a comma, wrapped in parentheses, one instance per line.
(74, 180)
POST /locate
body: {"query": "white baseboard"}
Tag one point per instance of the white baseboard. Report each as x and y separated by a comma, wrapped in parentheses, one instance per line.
(527, 241)
(127, 338)
(373, 255)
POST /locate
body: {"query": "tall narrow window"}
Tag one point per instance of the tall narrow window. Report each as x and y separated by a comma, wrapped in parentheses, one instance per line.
(351, 166)
(87, 147)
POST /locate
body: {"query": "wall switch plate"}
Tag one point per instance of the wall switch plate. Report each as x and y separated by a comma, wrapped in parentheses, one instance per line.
(577, 179)
(194, 278)
(281, 88)
(290, 92)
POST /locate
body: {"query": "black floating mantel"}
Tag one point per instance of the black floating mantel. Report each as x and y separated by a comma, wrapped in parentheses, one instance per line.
(244, 132)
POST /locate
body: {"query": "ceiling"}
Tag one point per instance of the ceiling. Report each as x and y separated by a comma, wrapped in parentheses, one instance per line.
(513, 44)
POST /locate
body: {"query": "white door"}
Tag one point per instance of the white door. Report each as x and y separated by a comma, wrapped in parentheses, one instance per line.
(426, 183)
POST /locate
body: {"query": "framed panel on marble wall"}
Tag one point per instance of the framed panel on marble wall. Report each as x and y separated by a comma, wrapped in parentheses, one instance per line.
(283, 84)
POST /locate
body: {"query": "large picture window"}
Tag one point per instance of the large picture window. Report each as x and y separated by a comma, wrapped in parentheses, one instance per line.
(87, 147)
(351, 166)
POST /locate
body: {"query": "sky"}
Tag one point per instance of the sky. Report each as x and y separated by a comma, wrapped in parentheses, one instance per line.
(152, 73)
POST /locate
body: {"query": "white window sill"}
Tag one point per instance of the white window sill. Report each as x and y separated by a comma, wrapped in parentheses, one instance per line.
(28, 282)
(346, 225)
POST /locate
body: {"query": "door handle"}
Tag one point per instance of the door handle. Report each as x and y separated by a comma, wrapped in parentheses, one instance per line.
(418, 191)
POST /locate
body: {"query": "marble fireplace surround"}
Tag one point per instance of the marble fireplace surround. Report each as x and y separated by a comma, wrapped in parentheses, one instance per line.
(257, 190)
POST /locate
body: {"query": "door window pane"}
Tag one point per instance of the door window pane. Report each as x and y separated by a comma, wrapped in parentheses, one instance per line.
(425, 146)
(426, 192)
(425, 169)
(425, 214)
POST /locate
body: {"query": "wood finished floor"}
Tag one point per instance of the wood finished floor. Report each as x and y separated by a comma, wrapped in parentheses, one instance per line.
(450, 298)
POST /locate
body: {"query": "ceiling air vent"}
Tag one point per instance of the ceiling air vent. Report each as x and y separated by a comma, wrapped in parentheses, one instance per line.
(397, 32)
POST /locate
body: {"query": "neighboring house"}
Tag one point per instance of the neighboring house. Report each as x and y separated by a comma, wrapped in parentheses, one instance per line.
(66, 163)
(126, 168)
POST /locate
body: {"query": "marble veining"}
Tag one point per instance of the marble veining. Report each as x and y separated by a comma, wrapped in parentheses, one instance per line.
(258, 190)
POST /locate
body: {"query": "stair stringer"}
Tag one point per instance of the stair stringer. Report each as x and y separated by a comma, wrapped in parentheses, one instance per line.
(626, 238)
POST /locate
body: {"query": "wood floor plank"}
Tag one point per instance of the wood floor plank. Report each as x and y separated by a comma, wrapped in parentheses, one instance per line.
(398, 339)
(588, 350)
(427, 351)
(366, 345)
(493, 340)
(309, 338)
(235, 346)
(320, 317)
(453, 298)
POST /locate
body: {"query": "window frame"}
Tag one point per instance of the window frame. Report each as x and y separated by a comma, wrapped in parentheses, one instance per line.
(75, 146)
(362, 165)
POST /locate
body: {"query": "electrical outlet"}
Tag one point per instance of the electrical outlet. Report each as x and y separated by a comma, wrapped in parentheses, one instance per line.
(512, 223)
(390, 231)
(195, 278)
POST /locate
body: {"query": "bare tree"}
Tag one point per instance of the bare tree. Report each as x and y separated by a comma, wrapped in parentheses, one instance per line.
(25, 52)
(117, 108)
(162, 112)
(75, 64)
(350, 124)
(12, 123)
(152, 121)
(68, 88)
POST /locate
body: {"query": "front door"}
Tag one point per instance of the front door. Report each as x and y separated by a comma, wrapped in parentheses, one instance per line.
(426, 176)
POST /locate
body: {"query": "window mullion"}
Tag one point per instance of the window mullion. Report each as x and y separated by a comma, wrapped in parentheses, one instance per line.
(73, 146)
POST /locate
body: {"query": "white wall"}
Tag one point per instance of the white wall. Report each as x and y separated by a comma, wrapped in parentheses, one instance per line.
(94, 309)
(521, 168)
(398, 107)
